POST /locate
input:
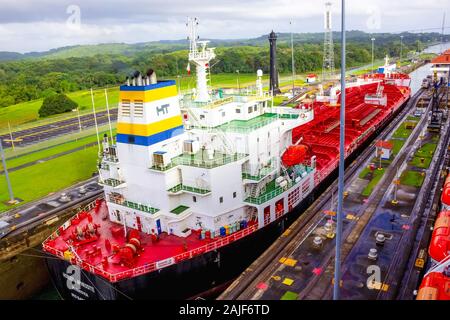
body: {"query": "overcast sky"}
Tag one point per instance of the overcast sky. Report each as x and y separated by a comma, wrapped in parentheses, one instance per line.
(37, 25)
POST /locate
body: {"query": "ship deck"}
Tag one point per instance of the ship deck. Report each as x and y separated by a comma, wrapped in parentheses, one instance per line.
(154, 254)
(322, 133)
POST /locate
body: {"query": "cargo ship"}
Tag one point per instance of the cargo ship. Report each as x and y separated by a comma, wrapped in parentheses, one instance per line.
(197, 186)
(436, 282)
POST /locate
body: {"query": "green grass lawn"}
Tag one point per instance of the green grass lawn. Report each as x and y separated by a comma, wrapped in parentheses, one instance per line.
(39, 180)
(412, 178)
(402, 132)
(427, 150)
(426, 153)
(376, 177)
(48, 152)
(412, 118)
(397, 145)
(26, 114)
(417, 162)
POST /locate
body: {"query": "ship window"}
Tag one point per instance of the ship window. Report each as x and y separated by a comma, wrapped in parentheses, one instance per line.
(238, 110)
(255, 107)
(250, 109)
(118, 215)
(221, 199)
(130, 139)
(194, 198)
(234, 194)
(202, 116)
(223, 114)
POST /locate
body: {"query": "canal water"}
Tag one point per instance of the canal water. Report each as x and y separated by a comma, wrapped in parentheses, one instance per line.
(419, 74)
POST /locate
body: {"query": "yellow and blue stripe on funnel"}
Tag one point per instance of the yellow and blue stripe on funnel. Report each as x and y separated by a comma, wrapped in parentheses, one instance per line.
(163, 125)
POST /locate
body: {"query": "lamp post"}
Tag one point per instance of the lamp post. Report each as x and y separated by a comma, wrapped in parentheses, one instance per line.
(292, 58)
(5, 170)
(373, 40)
(401, 50)
(238, 83)
(339, 213)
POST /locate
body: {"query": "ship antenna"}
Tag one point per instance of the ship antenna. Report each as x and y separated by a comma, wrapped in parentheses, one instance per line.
(95, 121)
(109, 116)
(201, 57)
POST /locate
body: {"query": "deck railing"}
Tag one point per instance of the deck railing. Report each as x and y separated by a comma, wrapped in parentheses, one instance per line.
(182, 187)
(114, 277)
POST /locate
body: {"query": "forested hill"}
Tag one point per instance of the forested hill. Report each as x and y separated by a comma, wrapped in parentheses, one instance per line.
(37, 75)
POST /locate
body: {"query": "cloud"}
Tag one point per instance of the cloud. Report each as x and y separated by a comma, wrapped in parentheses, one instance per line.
(35, 25)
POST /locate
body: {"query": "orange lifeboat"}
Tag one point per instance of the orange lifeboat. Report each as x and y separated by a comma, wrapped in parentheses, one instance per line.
(294, 155)
(435, 286)
(440, 240)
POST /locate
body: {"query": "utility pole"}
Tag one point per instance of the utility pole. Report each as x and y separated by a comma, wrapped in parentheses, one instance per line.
(79, 119)
(238, 83)
(328, 48)
(109, 116)
(401, 50)
(442, 34)
(293, 62)
(95, 121)
(12, 200)
(339, 213)
(11, 136)
(373, 40)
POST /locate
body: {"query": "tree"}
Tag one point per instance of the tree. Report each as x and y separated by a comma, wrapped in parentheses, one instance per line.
(55, 104)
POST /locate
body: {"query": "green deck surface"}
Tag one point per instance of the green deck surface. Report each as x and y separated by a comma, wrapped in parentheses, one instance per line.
(179, 209)
(253, 124)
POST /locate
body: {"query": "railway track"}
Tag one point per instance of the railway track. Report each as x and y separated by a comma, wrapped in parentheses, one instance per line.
(409, 261)
(245, 286)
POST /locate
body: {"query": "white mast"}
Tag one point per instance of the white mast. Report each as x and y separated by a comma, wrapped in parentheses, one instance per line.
(201, 60)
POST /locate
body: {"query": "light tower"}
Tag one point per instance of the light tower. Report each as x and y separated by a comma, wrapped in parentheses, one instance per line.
(274, 85)
(328, 49)
(200, 56)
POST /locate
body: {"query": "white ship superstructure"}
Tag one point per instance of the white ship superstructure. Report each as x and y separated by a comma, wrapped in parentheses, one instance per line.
(185, 163)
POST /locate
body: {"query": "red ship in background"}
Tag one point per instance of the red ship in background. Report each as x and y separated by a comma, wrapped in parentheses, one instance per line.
(116, 265)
